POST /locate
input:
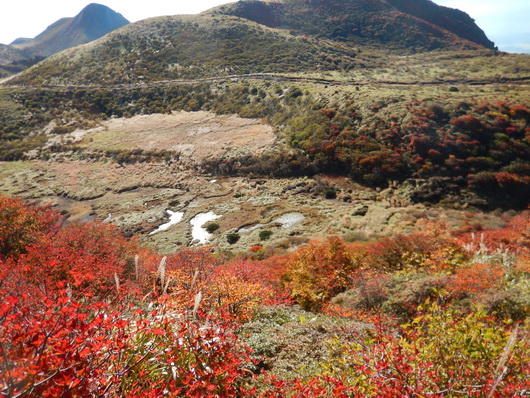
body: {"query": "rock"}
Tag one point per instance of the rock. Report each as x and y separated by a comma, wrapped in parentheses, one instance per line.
(344, 198)
(360, 211)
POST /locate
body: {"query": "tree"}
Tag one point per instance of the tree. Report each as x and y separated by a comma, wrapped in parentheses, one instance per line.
(318, 272)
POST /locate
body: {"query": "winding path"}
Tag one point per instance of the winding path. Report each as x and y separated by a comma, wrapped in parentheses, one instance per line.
(282, 78)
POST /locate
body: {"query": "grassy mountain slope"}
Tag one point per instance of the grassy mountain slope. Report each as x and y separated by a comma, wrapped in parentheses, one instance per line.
(418, 24)
(262, 37)
(183, 47)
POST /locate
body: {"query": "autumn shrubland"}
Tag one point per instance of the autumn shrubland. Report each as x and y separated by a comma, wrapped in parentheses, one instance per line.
(85, 311)
(394, 131)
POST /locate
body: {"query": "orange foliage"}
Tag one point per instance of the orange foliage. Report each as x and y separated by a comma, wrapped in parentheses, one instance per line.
(317, 272)
(56, 340)
(91, 258)
(515, 237)
(476, 278)
(22, 225)
(432, 250)
(195, 274)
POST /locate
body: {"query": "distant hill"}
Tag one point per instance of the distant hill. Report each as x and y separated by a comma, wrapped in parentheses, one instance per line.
(261, 37)
(20, 40)
(93, 22)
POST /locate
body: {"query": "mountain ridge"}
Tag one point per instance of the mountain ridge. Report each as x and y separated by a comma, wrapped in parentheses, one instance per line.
(356, 20)
(92, 22)
(251, 37)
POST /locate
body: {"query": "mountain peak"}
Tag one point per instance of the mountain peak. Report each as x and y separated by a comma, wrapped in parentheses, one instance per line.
(20, 40)
(95, 6)
(92, 22)
(96, 20)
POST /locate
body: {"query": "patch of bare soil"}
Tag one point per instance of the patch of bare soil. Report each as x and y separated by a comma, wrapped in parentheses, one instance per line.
(197, 135)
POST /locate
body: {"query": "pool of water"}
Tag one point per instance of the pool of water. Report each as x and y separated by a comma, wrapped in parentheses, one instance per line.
(289, 219)
(174, 218)
(249, 229)
(198, 233)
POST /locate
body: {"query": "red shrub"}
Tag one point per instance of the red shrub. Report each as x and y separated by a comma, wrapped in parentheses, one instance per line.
(88, 257)
(467, 123)
(24, 224)
(476, 279)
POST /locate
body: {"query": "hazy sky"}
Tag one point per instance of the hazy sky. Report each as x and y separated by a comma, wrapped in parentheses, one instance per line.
(505, 22)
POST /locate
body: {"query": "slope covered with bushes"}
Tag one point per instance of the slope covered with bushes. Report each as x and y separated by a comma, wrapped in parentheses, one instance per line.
(185, 47)
(418, 24)
(84, 311)
(454, 147)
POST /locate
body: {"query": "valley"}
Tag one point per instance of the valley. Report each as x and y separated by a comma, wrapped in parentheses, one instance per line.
(279, 198)
(136, 168)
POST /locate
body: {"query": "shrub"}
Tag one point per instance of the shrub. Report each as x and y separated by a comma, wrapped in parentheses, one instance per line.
(91, 258)
(265, 234)
(513, 304)
(316, 273)
(255, 248)
(22, 225)
(233, 237)
(440, 352)
(476, 279)
(330, 194)
(212, 227)
(60, 347)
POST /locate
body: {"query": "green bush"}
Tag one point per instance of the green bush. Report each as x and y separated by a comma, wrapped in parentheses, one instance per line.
(233, 237)
(265, 234)
(330, 193)
(211, 228)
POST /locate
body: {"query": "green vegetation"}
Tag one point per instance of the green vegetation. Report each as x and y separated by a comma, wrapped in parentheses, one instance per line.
(212, 227)
(232, 237)
(265, 234)
(330, 194)
(445, 146)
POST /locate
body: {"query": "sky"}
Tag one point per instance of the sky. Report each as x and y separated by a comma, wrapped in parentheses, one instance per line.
(505, 22)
